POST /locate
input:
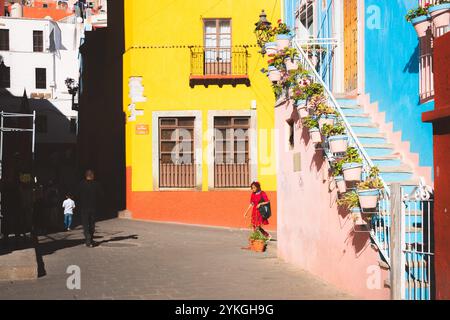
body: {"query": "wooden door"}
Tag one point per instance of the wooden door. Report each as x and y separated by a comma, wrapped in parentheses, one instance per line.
(351, 45)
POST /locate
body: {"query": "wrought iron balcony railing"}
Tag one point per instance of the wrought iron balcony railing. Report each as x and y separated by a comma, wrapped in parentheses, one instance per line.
(219, 64)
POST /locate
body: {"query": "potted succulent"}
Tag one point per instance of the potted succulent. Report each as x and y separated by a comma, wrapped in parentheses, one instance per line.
(419, 19)
(326, 115)
(440, 14)
(277, 89)
(337, 139)
(350, 200)
(352, 165)
(313, 125)
(338, 177)
(257, 241)
(283, 37)
(369, 190)
(290, 60)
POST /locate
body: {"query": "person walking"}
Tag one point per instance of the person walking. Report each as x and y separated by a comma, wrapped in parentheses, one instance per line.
(89, 199)
(68, 206)
(257, 199)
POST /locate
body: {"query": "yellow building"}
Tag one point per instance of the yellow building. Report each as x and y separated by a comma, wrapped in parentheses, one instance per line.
(200, 113)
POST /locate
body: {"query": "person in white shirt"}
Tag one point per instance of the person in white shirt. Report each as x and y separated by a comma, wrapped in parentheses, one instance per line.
(68, 206)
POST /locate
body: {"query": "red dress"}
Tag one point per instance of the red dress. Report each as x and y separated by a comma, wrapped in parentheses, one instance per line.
(257, 219)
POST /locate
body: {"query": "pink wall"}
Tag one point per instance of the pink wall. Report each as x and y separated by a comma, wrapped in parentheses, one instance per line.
(312, 234)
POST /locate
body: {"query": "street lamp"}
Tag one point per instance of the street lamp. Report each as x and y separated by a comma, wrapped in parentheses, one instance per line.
(263, 31)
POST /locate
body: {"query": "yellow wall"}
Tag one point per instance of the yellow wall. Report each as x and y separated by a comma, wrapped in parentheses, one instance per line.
(166, 71)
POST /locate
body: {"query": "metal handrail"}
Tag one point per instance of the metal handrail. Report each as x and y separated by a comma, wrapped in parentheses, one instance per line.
(368, 163)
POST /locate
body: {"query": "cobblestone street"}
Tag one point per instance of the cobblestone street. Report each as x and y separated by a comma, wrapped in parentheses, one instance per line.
(143, 260)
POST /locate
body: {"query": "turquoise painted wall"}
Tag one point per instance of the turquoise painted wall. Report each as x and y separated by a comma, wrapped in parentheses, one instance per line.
(392, 72)
(289, 12)
(325, 30)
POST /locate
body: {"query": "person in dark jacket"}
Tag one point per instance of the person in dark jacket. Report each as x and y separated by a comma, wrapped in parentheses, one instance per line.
(89, 197)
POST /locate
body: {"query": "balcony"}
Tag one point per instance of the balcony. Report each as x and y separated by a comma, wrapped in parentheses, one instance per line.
(219, 66)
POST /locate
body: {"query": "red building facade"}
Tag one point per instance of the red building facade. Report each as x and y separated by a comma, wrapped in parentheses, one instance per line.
(440, 117)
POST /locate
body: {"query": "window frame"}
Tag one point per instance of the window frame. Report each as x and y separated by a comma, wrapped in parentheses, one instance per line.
(38, 46)
(38, 82)
(6, 47)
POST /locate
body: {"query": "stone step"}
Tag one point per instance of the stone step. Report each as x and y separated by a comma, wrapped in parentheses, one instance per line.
(379, 145)
(371, 135)
(19, 265)
(393, 169)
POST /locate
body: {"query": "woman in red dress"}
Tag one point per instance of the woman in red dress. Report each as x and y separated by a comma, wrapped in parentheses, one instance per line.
(257, 199)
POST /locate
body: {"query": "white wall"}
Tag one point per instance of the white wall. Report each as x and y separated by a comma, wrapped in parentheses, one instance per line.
(60, 65)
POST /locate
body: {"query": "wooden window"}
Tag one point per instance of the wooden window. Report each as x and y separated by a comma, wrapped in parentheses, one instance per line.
(41, 78)
(231, 152)
(217, 46)
(5, 77)
(4, 40)
(38, 41)
(176, 152)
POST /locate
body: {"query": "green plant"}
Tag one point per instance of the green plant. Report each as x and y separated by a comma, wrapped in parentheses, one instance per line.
(333, 130)
(290, 52)
(277, 61)
(324, 109)
(282, 28)
(293, 75)
(298, 93)
(352, 156)
(310, 122)
(316, 100)
(257, 235)
(349, 200)
(277, 89)
(373, 180)
(336, 168)
(419, 11)
(314, 89)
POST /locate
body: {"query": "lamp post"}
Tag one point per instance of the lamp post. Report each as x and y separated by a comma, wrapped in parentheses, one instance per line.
(263, 31)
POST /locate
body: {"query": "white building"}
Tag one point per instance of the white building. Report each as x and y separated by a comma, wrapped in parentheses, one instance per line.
(38, 56)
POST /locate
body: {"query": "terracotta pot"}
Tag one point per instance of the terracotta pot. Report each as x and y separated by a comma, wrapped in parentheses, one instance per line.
(440, 15)
(368, 199)
(315, 135)
(274, 74)
(421, 24)
(271, 48)
(352, 171)
(291, 64)
(283, 41)
(340, 182)
(326, 119)
(258, 245)
(338, 144)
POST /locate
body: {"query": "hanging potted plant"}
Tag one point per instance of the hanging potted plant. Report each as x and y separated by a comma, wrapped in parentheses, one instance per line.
(290, 60)
(369, 190)
(337, 139)
(313, 125)
(316, 100)
(350, 200)
(440, 14)
(283, 36)
(352, 166)
(326, 115)
(257, 241)
(299, 96)
(338, 177)
(419, 19)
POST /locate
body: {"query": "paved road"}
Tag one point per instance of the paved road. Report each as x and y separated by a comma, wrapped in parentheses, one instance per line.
(143, 260)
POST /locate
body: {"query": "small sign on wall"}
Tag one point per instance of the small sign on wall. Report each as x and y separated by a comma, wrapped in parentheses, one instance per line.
(142, 129)
(297, 162)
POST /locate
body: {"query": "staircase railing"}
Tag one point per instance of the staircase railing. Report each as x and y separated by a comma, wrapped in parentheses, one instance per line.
(379, 230)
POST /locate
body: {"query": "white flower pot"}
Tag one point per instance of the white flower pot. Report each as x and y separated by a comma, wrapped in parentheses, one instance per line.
(421, 24)
(341, 185)
(352, 171)
(368, 199)
(440, 15)
(291, 64)
(315, 135)
(338, 144)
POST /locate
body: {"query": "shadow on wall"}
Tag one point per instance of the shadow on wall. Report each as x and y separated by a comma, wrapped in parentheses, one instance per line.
(413, 64)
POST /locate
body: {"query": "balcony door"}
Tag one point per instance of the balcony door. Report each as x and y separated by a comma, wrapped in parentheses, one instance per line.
(351, 45)
(217, 46)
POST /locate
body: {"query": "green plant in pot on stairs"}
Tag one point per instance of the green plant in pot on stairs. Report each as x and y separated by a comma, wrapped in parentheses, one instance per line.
(325, 114)
(369, 189)
(291, 58)
(338, 176)
(312, 124)
(337, 139)
(275, 67)
(352, 165)
(350, 201)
